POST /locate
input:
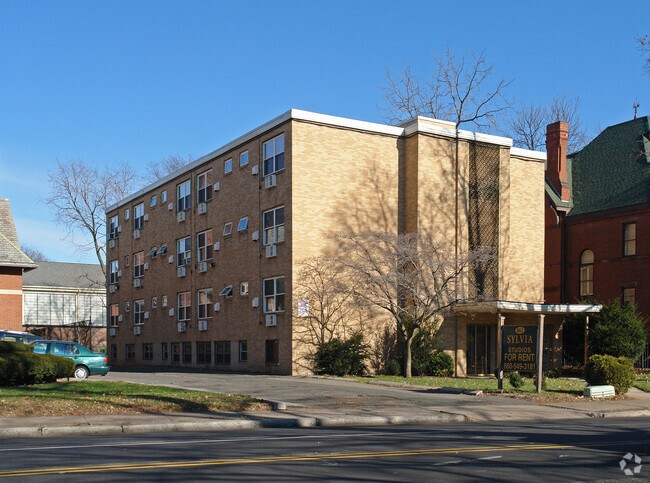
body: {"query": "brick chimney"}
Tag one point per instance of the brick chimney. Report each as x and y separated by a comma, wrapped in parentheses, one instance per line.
(557, 139)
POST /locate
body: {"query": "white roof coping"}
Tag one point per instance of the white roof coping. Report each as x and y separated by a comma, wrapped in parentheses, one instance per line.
(502, 306)
(528, 153)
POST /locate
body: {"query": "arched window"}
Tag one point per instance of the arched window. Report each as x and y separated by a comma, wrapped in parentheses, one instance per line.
(587, 273)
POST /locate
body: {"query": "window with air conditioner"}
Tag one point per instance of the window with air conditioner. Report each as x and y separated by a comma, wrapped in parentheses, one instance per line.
(273, 155)
(113, 223)
(184, 311)
(114, 314)
(204, 187)
(113, 271)
(274, 295)
(273, 226)
(205, 303)
(138, 216)
(138, 265)
(184, 195)
(243, 224)
(138, 312)
(243, 159)
(204, 245)
(183, 251)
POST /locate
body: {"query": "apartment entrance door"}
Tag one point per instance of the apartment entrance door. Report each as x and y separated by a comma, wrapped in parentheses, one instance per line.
(481, 349)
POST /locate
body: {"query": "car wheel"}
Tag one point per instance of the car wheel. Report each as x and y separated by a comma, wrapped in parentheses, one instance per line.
(81, 372)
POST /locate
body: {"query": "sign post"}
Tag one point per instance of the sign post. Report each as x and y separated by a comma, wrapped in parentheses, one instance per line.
(520, 348)
(500, 351)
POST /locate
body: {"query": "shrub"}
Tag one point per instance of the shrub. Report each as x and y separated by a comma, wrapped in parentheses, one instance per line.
(441, 364)
(618, 330)
(7, 347)
(615, 371)
(23, 367)
(516, 380)
(340, 357)
(426, 358)
(544, 380)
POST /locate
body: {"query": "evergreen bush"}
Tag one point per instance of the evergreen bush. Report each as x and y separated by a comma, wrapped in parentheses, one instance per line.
(516, 380)
(615, 371)
(341, 357)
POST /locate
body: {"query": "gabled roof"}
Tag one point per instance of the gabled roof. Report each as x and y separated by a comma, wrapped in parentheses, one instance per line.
(613, 170)
(65, 275)
(10, 253)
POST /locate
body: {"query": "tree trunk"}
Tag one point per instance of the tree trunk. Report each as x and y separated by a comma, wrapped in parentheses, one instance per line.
(407, 356)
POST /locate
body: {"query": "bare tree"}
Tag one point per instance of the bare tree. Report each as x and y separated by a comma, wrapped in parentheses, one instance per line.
(36, 254)
(326, 308)
(412, 278)
(159, 169)
(527, 126)
(644, 47)
(79, 196)
(461, 90)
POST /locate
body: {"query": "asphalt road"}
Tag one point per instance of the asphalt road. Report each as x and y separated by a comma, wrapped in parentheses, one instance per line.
(584, 450)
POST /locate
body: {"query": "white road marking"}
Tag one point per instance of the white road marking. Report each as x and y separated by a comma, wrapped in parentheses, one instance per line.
(491, 457)
(452, 462)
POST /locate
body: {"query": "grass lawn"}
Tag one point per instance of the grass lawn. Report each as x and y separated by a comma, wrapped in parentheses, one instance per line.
(559, 386)
(90, 397)
(643, 382)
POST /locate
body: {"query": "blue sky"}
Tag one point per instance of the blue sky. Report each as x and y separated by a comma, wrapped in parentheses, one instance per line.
(138, 81)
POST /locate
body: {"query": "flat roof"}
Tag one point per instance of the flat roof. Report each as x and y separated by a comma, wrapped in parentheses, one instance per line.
(504, 307)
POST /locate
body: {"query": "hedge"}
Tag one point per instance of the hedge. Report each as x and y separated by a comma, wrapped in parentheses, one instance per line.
(20, 366)
(615, 371)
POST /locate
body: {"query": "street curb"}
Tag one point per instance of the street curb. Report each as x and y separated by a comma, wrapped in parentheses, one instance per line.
(228, 424)
(620, 414)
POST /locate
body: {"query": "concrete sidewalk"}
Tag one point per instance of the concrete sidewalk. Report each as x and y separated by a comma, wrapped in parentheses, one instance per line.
(398, 405)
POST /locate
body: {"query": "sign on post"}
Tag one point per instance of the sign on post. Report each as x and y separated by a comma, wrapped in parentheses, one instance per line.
(519, 348)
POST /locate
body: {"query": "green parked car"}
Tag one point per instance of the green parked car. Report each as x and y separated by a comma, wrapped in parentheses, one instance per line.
(87, 362)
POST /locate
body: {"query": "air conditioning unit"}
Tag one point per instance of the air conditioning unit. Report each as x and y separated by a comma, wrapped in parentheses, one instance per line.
(119, 229)
(255, 302)
(217, 306)
(119, 273)
(120, 318)
(137, 330)
(271, 320)
(146, 265)
(271, 251)
(136, 233)
(270, 181)
(256, 235)
(180, 216)
(203, 267)
(146, 217)
(112, 288)
(111, 243)
(137, 283)
(181, 271)
(216, 246)
(112, 332)
(255, 169)
(171, 312)
(170, 206)
(216, 186)
(182, 326)
(203, 325)
(146, 315)
(170, 259)
(202, 208)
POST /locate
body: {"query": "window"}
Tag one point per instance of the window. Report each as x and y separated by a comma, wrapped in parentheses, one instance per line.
(147, 352)
(226, 291)
(273, 221)
(243, 351)
(153, 252)
(176, 353)
(184, 306)
(204, 353)
(587, 273)
(138, 265)
(274, 294)
(227, 229)
(204, 187)
(187, 352)
(163, 300)
(127, 307)
(154, 201)
(112, 227)
(243, 224)
(113, 352)
(222, 352)
(138, 312)
(205, 303)
(164, 351)
(163, 197)
(272, 351)
(183, 251)
(629, 296)
(629, 239)
(273, 155)
(113, 271)
(115, 314)
(204, 246)
(138, 216)
(227, 166)
(243, 159)
(243, 289)
(162, 250)
(126, 260)
(184, 196)
(127, 214)
(130, 352)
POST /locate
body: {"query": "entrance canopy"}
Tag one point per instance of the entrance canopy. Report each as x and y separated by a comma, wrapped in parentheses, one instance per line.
(504, 307)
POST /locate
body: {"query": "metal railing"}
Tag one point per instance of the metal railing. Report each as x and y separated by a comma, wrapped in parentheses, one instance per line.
(644, 361)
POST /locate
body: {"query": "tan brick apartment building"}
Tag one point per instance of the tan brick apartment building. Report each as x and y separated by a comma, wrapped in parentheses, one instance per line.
(201, 264)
